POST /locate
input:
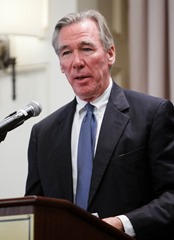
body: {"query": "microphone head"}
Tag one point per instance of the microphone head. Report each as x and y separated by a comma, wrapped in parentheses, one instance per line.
(36, 108)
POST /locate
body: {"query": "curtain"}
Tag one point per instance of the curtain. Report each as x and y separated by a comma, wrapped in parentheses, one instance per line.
(151, 47)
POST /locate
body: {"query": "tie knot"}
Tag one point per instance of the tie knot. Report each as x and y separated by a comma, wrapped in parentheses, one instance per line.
(89, 107)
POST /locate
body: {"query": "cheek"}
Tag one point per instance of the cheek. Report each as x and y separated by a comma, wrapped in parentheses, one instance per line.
(65, 69)
(101, 61)
(100, 66)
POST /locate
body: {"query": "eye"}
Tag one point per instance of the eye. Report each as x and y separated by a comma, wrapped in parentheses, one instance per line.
(87, 49)
(66, 53)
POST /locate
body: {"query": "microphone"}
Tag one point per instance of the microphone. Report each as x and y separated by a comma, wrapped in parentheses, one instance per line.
(17, 118)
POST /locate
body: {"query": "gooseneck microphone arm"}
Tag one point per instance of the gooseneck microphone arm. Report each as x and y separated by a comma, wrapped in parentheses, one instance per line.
(17, 118)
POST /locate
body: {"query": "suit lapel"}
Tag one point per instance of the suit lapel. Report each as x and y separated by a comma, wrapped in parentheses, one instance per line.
(61, 151)
(114, 123)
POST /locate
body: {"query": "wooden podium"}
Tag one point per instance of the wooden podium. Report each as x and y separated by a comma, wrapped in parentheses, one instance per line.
(42, 218)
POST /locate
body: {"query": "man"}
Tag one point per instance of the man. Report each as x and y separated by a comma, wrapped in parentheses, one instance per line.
(132, 182)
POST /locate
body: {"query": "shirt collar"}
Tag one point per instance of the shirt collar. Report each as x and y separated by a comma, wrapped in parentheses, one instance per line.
(100, 102)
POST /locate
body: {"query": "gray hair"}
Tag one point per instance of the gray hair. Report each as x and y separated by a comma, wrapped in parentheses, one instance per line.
(105, 35)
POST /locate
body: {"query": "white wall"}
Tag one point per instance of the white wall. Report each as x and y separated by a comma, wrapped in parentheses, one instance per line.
(45, 85)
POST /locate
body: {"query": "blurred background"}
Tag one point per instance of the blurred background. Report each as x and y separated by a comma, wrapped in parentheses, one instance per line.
(29, 68)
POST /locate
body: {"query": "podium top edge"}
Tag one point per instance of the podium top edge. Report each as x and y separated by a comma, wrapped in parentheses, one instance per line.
(35, 200)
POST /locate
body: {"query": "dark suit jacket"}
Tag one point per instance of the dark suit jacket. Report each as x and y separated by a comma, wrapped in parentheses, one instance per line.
(133, 170)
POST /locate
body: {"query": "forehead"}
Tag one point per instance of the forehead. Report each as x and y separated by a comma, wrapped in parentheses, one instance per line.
(79, 31)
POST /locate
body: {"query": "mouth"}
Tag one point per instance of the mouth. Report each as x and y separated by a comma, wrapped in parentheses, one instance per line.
(82, 77)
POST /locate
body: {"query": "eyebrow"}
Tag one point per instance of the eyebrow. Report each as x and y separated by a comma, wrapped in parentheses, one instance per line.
(60, 49)
(83, 43)
(87, 43)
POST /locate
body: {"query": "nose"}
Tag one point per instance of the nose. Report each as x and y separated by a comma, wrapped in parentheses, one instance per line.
(78, 61)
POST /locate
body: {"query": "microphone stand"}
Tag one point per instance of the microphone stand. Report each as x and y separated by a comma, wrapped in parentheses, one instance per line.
(12, 61)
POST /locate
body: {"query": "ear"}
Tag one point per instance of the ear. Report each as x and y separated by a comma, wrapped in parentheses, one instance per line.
(61, 68)
(111, 55)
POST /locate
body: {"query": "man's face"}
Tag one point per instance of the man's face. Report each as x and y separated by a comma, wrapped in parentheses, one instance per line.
(83, 59)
